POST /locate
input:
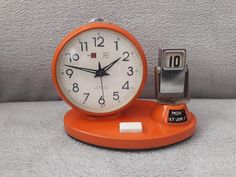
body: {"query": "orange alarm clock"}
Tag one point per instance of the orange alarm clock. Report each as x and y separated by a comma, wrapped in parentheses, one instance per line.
(100, 70)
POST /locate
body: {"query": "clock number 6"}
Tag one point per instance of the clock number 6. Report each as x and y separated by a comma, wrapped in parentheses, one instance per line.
(75, 87)
(101, 100)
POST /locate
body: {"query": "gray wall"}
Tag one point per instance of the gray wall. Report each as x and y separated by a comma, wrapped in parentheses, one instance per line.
(30, 31)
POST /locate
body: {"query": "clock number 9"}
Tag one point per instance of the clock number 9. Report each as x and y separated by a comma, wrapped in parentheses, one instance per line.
(176, 62)
(69, 72)
(75, 87)
(74, 57)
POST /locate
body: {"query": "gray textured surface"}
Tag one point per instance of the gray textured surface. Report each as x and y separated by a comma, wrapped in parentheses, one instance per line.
(33, 143)
(30, 31)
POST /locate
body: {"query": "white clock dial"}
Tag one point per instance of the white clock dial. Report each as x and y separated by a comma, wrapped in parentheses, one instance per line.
(99, 70)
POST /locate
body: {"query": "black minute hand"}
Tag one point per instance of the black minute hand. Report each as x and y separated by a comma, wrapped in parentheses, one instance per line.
(110, 65)
(93, 71)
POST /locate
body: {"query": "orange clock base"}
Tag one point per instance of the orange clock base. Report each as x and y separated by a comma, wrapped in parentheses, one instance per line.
(156, 130)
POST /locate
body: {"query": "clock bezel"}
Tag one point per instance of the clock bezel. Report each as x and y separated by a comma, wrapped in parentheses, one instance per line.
(90, 26)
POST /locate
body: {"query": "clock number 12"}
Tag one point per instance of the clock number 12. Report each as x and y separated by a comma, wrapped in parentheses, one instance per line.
(98, 42)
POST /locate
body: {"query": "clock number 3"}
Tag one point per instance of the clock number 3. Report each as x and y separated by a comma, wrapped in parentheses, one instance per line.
(131, 71)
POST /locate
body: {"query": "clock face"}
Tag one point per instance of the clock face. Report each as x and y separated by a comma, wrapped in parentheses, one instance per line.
(99, 70)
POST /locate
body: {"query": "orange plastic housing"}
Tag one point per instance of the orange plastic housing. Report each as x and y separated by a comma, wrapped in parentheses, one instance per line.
(157, 132)
(97, 25)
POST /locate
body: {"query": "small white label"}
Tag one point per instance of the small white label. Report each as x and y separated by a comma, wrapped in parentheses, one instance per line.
(131, 127)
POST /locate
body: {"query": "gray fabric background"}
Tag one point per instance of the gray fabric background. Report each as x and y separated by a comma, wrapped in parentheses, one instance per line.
(30, 31)
(34, 144)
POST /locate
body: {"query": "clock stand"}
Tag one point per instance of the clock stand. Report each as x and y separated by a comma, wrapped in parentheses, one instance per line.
(145, 124)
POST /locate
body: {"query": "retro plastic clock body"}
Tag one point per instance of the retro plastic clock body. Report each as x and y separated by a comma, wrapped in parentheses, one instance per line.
(99, 70)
